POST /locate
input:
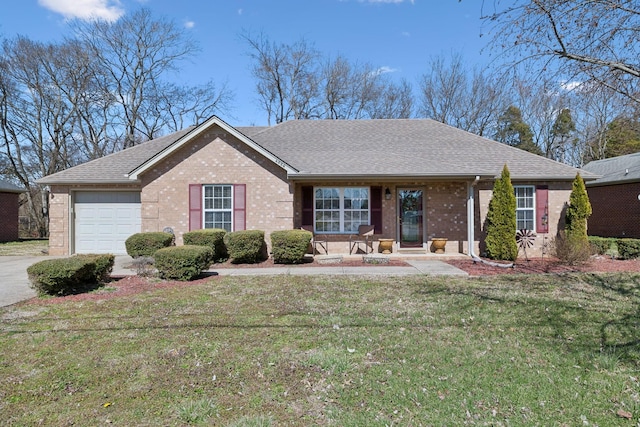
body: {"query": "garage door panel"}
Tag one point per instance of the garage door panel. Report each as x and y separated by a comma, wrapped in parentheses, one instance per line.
(104, 220)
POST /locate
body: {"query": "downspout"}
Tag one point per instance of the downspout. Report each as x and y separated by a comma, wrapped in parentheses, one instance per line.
(471, 218)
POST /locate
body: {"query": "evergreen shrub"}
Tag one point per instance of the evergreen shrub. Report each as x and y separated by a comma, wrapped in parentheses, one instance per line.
(67, 276)
(246, 246)
(182, 262)
(290, 246)
(212, 237)
(146, 244)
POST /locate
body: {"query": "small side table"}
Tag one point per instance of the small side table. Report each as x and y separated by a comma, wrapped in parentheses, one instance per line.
(386, 245)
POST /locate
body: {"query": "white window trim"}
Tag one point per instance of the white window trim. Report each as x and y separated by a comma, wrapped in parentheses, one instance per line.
(205, 210)
(341, 208)
(532, 209)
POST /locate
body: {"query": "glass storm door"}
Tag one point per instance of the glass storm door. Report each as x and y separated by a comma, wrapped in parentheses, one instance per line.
(410, 218)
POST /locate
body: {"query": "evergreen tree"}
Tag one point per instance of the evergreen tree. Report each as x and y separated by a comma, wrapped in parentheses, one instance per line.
(514, 131)
(561, 133)
(578, 212)
(501, 220)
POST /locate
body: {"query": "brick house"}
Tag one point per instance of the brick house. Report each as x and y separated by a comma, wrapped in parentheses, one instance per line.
(615, 196)
(412, 179)
(9, 205)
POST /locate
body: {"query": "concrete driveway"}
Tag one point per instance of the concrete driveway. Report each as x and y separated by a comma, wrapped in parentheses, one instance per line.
(14, 282)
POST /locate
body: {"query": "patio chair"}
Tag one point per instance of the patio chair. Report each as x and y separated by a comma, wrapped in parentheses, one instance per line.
(315, 242)
(365, 236)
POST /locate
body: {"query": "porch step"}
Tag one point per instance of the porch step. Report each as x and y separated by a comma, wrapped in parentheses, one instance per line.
(412, 251)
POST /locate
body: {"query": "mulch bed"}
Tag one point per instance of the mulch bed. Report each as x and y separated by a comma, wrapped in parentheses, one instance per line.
(599, 264)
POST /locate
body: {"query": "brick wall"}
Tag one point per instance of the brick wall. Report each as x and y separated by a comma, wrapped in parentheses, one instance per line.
(9, 214)
(216, 158)
(616, 210)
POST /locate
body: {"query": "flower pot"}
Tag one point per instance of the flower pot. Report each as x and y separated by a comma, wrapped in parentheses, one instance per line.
(439, 244)
(386, 246)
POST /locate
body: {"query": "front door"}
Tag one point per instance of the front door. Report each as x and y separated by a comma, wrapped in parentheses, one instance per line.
(410, 214)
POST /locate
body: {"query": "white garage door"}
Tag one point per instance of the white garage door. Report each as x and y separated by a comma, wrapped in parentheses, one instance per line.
(104, 220)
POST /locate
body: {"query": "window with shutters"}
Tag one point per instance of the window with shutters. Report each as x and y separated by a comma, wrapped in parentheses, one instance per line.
(341, 209)
(218, 206)
(525, 207)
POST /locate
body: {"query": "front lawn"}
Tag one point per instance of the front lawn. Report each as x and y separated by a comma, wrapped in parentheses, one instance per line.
(339, 351)
(29, 247)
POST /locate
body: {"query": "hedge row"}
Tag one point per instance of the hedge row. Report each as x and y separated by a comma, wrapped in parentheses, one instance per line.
(625, 248)
(66, 276)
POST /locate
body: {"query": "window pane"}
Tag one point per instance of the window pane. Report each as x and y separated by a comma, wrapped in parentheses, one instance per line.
(218, 206)
(525, 207)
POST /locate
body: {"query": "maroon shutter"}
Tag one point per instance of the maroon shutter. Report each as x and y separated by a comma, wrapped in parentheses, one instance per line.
(376, 209)
(239, 207)
(307, 205)
(195, 207)
(542, 209)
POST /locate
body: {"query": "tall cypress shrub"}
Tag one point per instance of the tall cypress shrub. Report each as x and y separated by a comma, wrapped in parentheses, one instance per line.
(578, 212)
(501, 220)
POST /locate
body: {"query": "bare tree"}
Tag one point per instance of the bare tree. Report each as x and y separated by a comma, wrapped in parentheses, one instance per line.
(36, 117)
(135, 55)
(286, 78)
(589, 41)
(294, 82)
(468, 100)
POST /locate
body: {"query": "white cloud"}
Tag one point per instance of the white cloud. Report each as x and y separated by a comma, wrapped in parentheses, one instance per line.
(384, 70)
(240, 11)
(570, 85)
(109, 10)
(189, 24)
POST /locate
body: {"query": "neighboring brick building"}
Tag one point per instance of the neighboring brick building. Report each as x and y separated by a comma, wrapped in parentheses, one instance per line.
(615, 197)
(9, 204)
(413, 180)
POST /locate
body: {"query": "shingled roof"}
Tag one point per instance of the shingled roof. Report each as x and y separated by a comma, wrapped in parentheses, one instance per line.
(7, 187)
(348, 149)
(615, 170)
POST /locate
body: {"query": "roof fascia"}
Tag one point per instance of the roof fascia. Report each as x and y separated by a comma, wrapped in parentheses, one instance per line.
(300, 177)
(196, 132)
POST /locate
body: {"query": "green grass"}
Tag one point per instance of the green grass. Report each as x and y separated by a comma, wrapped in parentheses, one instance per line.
(25, 247)
(541, 350)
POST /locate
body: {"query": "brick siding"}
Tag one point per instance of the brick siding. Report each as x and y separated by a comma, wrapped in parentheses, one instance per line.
(9, 213)
(616, 210)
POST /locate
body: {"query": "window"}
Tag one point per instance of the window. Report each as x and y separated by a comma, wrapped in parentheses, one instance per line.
(218, 206)
(525, 207)
(341, 210)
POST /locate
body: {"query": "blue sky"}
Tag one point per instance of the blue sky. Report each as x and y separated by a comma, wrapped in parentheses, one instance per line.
(399, 35)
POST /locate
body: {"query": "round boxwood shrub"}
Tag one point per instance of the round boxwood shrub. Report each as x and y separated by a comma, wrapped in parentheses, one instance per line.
(182, 262)
(146, 244)
(212, 237)
(290, 246)
(67, 276)
(246, 246)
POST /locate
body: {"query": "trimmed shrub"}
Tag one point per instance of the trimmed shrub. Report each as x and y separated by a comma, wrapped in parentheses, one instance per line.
(103, 265)
(212, 237)
(601, 245)
(66, 276)
(501, 220)
(246, 246)
(146, 244)
(628, 248)
(182, 262)
(290, 246)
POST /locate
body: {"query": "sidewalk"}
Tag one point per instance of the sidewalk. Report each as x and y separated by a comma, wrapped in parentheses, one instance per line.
(414, 267)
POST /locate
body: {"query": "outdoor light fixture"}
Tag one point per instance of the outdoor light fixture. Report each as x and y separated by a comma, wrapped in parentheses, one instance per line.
(387, 194)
